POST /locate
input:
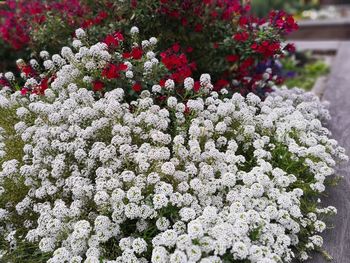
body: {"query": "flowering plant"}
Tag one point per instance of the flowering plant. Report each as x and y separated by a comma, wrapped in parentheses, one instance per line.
(126, 154)
(110, 172)
(21, 17)
(237, 45)
(218, 181)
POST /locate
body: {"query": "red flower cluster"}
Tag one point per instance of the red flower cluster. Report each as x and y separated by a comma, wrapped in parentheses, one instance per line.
(30, 72)
(242, 36)
(177, 63)
(199, 10)
(98, 19)
(249, 47)
(266, 48)
(136, 53)
(27, 70)
(97, 85)
(137, 87)
(113, 40)
(112, 71)
(232, 58)
(4, 82)
(283, 21)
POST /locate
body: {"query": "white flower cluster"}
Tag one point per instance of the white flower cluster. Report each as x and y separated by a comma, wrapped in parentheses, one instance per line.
(2, 143)
(84, 63)
(219, 180)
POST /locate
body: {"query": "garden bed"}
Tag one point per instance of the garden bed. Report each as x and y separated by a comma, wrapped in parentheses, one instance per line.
(120, 147)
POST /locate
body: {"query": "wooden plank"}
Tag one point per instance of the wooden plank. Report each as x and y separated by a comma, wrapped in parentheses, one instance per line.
(337, 239)
(341, 21)
(339, 30)
(318, 46)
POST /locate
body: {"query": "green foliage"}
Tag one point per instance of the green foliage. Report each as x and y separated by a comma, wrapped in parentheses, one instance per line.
(55, 29)
(306, 73)
(15, 191)
(8, 56)
(13, 143)
(24, 252)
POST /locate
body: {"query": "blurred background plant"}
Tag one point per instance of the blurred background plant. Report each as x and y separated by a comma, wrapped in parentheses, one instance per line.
(302, 70)
(263, 7)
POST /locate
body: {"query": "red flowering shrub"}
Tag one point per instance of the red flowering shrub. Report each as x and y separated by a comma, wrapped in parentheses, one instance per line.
(177, 63)
(20, 17)
(225, 40)
(219, 37)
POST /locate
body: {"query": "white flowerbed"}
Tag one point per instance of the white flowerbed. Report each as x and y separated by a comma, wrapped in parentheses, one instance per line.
(233, 180)
(211, 178)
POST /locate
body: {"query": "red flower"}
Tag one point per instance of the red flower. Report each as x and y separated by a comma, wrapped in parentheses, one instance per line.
(265, 43)
(111, 41)
(196, 86)
(187, 109)
(27, 70)
(247, 8)
(198, 28)
(243, 21)
(283, 21)
(136, 53)
(177, 64)
(162, 82)
(221, 83)
(214, 14)
(119, 36)
(246, 64)
(133, 4)
(184, 22)
(44, 84)
(87, 23)
(232, 58)
(126, 55)
(273, 47)
(189, 49)
(254, 46)
(24, 91)
(111, 71)
(290, 48)
(241, 37)
(122, 67)
(176, 47)
(97, 85)
(4, 81)
(137, 87)
(102, 15)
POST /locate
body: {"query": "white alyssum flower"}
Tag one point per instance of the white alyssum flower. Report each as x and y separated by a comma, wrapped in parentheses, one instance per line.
(162, 184)
(80, 33)
(134, 30)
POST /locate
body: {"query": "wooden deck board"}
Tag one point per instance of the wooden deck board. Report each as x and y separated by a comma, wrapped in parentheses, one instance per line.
(337, 239)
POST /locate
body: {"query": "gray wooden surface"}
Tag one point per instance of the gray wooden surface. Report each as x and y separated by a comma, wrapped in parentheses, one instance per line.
(323, 30)
(337, 239)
